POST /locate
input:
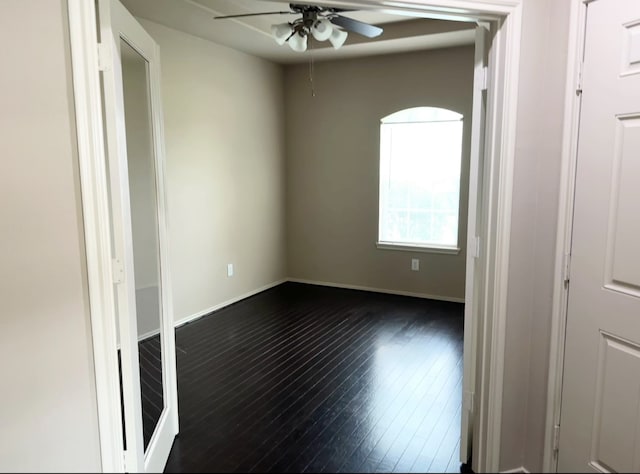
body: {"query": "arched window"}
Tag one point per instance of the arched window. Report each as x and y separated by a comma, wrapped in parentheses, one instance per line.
(420, 161)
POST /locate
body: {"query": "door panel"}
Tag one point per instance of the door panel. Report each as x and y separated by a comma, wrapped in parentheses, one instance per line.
(474, 227)
(623, 274)
(616, 411)
(600, 415)
(135, 156)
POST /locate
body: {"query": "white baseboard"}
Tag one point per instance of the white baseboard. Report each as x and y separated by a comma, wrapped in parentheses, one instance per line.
(147, 335)
(517, 469)
(210, 310)
(377, 290)
(235, 299)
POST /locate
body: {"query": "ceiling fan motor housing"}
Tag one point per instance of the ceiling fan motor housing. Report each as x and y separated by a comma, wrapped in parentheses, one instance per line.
(300, 8)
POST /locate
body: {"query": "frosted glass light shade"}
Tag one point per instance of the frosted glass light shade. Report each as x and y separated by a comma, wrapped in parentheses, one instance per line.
(338, 37)
(322, 29)
(281, 32)
(298, 43)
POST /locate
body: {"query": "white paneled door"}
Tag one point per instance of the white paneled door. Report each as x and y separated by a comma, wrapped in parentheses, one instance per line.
(600, 414)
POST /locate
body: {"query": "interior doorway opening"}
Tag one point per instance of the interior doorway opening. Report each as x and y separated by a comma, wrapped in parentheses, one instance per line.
(496, 175)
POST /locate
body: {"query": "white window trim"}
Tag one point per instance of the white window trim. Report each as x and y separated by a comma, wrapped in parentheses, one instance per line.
(423, 248)
(385, 164)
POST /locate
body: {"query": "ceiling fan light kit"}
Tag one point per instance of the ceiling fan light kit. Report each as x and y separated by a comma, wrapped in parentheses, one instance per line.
(281, 32)
(323, 23)
(338, 37)
(298, 42)
(322, 29)
(297, 33)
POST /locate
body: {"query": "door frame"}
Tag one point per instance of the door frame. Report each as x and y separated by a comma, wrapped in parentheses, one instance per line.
(497, 181)
(89, 59)
(474, 236)
(562, 265)
(97, 232)
(116, 25)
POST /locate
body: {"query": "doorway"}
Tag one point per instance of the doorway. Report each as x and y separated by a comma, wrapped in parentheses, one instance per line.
(492, 285)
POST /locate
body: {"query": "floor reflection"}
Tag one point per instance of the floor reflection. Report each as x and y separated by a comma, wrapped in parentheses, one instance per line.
(150, 385)
(311, 379)
(415, 412)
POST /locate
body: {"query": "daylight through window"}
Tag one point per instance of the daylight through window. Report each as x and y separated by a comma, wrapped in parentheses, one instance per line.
(420, 161)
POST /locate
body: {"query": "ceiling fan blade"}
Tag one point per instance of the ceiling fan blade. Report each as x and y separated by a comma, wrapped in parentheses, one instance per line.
(253, 14)
(349, 24)
(300, 7)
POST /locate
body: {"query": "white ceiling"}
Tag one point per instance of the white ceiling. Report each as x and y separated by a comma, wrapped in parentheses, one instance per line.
(253, 36)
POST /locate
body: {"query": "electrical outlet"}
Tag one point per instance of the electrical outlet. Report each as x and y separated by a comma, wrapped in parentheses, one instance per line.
(415, 264)
(230, 269)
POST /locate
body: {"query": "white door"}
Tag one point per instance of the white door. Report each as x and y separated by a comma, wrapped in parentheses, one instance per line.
(600, 415)
(474, 226)
(135, 161)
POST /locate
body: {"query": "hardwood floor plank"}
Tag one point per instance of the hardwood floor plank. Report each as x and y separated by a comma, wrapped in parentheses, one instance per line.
(366, 421)
(454, 460)
(448, 384)
(444, 450)
(323, 440)
(365, 457)
(281, 377)
(434, 432)
(399, 431)
(286, 414)
(150, 385)
(439, 387)
(307, 378)
(344, 386)
(336, 446)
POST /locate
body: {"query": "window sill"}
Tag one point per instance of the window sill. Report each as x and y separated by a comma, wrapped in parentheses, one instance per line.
(418, 248)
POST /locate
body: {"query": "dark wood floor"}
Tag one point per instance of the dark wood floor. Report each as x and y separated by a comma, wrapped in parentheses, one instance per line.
(150, 385)
(149, 356)
(303, 378)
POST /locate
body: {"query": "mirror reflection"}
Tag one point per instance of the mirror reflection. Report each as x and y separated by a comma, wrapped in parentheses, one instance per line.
(144, 221)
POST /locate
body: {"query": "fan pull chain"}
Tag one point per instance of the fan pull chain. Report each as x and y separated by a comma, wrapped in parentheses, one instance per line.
(311, 70)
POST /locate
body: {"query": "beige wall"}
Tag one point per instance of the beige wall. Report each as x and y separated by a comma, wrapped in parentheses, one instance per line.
(48, 414)
(224, 130)
(536, 184)
(333, 152)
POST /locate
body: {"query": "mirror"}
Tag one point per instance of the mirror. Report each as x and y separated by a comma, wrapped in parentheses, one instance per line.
(144, 222)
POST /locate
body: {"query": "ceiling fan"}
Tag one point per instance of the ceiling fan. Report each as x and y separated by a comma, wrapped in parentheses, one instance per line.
(323, 23)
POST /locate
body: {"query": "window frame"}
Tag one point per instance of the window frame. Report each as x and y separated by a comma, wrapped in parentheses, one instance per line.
(440, 115)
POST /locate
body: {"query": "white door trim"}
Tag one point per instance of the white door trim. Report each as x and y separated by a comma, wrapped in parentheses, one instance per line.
(97, 234)
(504, 58)
(504, 61)
(474, 239)
(118, 25)
(568, 165)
